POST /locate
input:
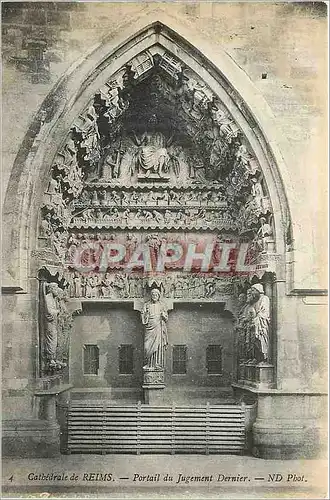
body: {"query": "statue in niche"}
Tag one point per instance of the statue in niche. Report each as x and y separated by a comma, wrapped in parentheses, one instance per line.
(128, 80)
(223, 124)
(52, 319)
(69, 152)
(257, 192)
(60, 243)
(168, 286)
(121, 285)
(116, 97)
(247, 326)
(196, 169)
(131, 286)
(111, 166)
(258, 320)
(53, 188)
(264, 234)
(245, 159)
(88, 287)
(46, 227)
(154, 317)
(77, 285)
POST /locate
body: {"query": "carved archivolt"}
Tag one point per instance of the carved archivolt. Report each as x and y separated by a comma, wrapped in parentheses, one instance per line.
(155, 149)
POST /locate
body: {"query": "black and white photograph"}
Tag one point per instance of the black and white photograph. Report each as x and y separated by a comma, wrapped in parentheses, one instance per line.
(164, 183)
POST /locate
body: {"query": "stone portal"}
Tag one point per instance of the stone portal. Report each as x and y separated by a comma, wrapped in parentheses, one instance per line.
(157, 204)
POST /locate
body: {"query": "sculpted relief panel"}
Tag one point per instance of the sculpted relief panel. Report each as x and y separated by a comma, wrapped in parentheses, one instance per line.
(155, 147)
(155, 158)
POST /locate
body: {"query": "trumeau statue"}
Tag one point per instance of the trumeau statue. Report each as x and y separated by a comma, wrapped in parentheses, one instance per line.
(154, 317)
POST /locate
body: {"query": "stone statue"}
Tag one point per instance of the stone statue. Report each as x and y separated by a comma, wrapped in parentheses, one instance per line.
(65, 320)
(46, 227)
(152, 155)
(107, 286)
(257, 192)
(111, 166)
(69, 152)
(52, 296)
(77, 285)
(154, 317)
(261, 320)
(264, 234)
(53, 186)
(247, 324)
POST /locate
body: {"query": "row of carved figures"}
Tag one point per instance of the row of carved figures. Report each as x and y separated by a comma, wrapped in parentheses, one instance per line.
(120, 285)
(65, 244)
(139, 217)
(151, 197)
(256, 201)
(164, 197)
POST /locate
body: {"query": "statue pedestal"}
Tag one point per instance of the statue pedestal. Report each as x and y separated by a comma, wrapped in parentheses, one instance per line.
(153, 385)
(250, 371)
(46, 439)
(241, 372)
(264, 375)
(259, 375)
(48, 400)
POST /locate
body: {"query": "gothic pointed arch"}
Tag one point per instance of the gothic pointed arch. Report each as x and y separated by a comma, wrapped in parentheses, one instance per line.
(153, 90)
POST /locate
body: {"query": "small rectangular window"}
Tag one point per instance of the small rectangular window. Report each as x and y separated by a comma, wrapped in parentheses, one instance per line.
(214, 359)
(179, 359)
(126, 359)
(91, 359)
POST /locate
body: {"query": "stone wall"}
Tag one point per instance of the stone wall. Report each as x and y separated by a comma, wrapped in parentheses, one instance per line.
(121, 325)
